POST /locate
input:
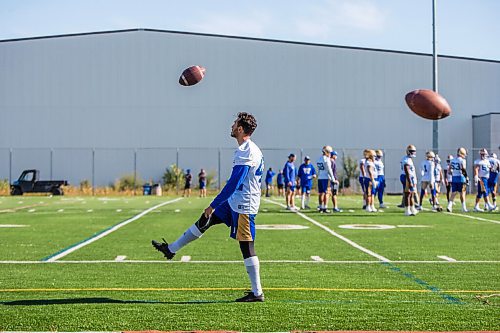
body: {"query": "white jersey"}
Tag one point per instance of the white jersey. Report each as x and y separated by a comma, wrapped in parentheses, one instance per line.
(362, 169)
(370, 165)
(409, 161)
(494, 164)
(456, 166)
(484, 168)
(379, 166)
(427, 171)
(449, 176)
(246, 199)
(438, 170)
(325, 168)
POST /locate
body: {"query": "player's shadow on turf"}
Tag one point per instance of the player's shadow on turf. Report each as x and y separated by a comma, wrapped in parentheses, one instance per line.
(101, 300)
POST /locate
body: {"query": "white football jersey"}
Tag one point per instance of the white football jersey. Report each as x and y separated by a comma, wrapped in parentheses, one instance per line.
(369, 165)
(456, 166)
(379, 165)
(437, 172)
(325, 168)
(495, 164)
(246, 198)
(448, 173)
(427, 171)
(484, 168)
(409, 161)
(362, 169)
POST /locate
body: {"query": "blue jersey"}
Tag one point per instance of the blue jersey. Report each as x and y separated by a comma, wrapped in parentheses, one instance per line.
(306, 173)
(289, 173)
(269, 176)
(280, 179)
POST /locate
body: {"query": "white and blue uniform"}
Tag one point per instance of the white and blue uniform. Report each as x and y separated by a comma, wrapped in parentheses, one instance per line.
(325, 173)
(494, 170)
(362, 173)
(457, 178)
(379, 166)
(483, 173)
(427, 171)
(437, 173)
(408, 186)
(370, 187)
(238, 202)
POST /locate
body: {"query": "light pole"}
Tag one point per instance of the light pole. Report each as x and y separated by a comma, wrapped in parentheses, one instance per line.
(435, 129)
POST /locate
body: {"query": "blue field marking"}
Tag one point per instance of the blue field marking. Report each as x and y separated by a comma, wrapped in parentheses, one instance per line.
(446, 297)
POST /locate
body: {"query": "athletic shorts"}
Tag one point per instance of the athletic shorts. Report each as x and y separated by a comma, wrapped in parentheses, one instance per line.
(492, 182)
(407, 186)
(280, 186)
(334, 187)
(369, 188)
(242, 225)
(482, 188)
(362, 183)
(322, 185)
(306, 189)
(203, 185)
(457, 187)
(381, 183)
(425, 183)
(187, 186)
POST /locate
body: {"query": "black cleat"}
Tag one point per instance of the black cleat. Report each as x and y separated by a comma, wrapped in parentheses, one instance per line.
(163, 248)
(250, 297)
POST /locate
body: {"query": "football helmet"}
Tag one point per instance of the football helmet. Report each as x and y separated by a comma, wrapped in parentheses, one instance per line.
(411, 151)
(483, 153)
(462, 152)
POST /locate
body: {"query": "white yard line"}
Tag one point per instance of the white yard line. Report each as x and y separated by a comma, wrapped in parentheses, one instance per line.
(106, 232)
(447, 258)
(473, 217)
(333, 233)
(8, 262)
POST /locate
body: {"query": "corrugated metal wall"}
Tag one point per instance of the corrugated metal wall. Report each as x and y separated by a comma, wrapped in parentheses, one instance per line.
(120, 90)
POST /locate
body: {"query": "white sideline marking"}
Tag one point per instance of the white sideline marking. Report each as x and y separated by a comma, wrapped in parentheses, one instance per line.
(90, 210)
(473, 217)
(330, 231)
(13, 225)
(118, 210)
(317, 258)
(186, 259)
(107, 232)
(31, 210)
(447, 258)
(60, 210)
(240, 261)
(120, 258)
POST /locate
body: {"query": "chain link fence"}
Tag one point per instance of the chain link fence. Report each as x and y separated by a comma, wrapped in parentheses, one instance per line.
(104, 166)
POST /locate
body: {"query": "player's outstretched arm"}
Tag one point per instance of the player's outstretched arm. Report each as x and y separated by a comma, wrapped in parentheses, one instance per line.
(237, 176)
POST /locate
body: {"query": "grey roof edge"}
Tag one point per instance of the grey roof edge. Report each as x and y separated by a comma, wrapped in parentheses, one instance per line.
(244, 38)
(485, 114)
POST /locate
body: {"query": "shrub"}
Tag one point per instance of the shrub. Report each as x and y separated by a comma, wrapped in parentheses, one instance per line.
(349, 165)
(127, 183)
(173, 177)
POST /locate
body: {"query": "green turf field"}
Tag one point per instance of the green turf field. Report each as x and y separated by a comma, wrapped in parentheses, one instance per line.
(390, 272)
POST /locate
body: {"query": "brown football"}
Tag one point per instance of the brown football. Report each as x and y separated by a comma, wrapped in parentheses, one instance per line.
(428, 104)
(192, 75)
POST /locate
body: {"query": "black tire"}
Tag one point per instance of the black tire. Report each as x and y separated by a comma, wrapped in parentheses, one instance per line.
(16, 191)
(57, 191)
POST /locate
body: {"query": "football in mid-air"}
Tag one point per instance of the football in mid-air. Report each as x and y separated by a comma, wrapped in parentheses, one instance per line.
(428, 104)
(192, 75)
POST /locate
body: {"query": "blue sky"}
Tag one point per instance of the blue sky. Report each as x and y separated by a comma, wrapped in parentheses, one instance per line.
(469, 28)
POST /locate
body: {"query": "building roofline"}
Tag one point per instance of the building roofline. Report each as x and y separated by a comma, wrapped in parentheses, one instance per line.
(485, 114)
(245, 38)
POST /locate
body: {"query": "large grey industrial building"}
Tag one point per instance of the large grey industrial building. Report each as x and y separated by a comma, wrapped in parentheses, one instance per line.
(99, 105)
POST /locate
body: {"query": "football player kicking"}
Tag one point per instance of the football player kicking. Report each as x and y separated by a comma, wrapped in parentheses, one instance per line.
(481, 174)
(409, 180)
(235, 206)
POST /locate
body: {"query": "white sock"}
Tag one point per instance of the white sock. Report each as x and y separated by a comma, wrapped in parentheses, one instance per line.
(253, 266)
(303, 200)
(193, 233)
(307, 200)
(463, 206)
